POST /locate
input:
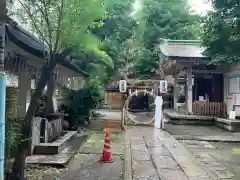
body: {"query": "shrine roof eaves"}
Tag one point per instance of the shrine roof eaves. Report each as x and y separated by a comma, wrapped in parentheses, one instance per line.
(182, 48)
(30, 44)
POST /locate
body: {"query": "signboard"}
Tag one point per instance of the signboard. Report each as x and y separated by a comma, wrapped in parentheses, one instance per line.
(123, 86)
(236, 99)
(163, 86)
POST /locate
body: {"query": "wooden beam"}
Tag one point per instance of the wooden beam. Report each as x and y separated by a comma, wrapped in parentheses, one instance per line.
(207, 71)
(181, 73)
(143, 87)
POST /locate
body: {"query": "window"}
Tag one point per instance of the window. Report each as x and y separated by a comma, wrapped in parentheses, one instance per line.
(234, 85)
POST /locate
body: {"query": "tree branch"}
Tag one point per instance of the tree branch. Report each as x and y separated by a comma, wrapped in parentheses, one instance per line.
(45, 15)
(58, 26)
(33, 21)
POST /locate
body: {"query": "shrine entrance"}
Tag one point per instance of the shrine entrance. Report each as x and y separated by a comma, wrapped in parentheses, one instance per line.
(140, 102)
(139, 107)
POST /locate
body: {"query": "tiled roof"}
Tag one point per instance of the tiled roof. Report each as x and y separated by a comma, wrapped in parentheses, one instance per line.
(28, 43)
(182, 48)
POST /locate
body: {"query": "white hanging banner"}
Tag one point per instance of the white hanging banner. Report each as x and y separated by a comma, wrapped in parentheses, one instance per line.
(163, 86)
(158, 112)
(122, 86)
(136, 92)
(130, 92)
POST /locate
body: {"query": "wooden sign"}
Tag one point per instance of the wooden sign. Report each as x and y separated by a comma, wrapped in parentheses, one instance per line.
(236, 99)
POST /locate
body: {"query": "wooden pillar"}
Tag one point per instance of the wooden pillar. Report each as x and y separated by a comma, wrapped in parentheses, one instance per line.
(189, 90)
(24, 94)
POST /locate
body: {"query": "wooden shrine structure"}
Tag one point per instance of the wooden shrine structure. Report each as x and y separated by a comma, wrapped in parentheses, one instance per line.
(201, 84)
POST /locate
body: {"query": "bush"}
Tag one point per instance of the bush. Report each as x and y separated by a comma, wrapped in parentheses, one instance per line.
(81, 105)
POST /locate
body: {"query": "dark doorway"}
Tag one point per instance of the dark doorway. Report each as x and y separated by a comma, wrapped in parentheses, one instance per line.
(212, 86)
(140, 103)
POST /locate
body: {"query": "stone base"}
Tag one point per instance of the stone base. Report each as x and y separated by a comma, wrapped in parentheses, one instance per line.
(181, 119)
(56, 146)
(61, 158)
(228, 124)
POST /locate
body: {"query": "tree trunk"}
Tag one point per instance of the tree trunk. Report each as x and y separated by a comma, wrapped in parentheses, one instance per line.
(23, 147)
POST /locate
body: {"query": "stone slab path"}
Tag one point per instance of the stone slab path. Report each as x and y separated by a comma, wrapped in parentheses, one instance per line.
(156, 155)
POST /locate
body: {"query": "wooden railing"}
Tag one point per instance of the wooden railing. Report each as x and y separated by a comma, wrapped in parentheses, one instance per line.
(217, 109)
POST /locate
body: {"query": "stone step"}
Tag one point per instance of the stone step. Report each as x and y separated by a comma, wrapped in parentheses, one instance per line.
(62, 158)
(56, 146)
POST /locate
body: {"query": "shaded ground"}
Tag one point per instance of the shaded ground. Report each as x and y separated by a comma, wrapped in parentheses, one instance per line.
(215, 156)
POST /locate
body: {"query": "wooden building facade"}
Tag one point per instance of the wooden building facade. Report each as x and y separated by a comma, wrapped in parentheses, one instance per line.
(203, 83)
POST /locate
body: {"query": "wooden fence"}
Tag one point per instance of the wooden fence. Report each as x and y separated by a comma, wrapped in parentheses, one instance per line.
(217, 109)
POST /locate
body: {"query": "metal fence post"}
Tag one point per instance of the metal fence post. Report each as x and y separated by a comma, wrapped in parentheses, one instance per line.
(2, 121)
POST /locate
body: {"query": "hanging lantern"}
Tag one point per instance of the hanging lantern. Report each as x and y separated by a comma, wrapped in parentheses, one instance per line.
(163, 86)
(122, 86)
(130, 92)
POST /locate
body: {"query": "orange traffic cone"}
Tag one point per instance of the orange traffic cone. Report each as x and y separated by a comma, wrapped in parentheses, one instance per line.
(107, 154)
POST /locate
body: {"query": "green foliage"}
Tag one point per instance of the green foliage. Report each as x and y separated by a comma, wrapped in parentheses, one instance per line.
(169, 19)
(222, 32)
(13, 134)
(117, 30)
(79, 105)
(65, 24)
(13, 127)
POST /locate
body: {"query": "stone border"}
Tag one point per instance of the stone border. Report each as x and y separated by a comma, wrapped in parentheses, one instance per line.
(224, 139)
(62, 158)
(56, 146)
(181, 119)
(127, 158)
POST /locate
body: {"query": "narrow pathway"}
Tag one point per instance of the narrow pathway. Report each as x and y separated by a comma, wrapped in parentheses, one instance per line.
(156, 155)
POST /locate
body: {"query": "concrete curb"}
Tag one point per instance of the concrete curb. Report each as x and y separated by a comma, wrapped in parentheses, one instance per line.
(127, 158)
(224, 139)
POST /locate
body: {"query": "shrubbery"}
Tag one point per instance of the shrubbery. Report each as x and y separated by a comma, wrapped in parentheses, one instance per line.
(81, 105)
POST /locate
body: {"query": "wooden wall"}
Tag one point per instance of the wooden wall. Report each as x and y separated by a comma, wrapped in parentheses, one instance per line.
(113, 100)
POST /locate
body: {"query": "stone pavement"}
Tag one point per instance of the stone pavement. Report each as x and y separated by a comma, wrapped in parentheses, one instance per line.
(217, 150)
(155, 154)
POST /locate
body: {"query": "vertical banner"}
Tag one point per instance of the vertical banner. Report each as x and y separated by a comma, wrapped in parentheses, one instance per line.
(158, 112)
(2, 121)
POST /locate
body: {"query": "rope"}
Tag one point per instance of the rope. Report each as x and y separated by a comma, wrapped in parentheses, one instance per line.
(132, 117)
